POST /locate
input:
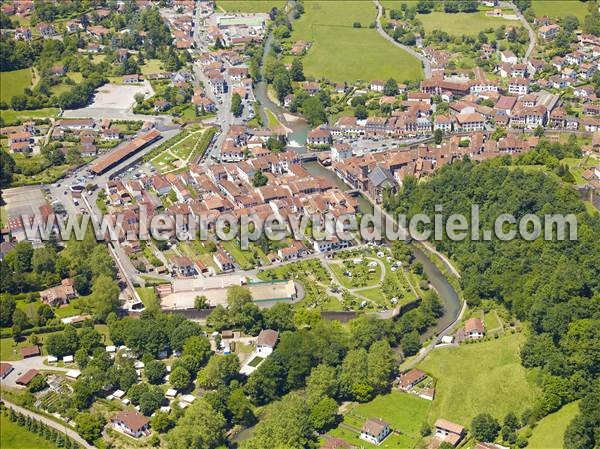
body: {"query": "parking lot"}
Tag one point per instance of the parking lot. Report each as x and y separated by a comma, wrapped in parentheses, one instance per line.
(23, 200)
(113, 101)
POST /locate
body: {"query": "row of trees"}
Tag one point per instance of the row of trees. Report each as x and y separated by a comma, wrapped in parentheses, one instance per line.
(54, 437)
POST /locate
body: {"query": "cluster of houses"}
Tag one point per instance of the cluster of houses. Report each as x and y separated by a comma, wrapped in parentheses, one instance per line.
(237, 30)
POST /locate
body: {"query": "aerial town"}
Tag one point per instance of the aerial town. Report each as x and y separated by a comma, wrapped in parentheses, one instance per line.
(119, 113)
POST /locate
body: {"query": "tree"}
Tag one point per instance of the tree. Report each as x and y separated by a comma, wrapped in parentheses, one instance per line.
(280, 317)
(360, 112)
(90, 426)
(240, 408)
(410, 343)
(259, 179)
(390, 88)
(381, 365)
(179, 378)
(201, 427)
(297, 70)
(322, 382)
(161, 422)
(150, 401)
(7, 168)
(438, 136)
(282, 84)
(197, 347)
(38, 383)
(485, 427)
(155, 371)
(7, 308)
(313, 111)
(236, 104)
(220, 370)
(105, 296)
(201, 302)
(539, 131)
(287, 424)
(323, 415)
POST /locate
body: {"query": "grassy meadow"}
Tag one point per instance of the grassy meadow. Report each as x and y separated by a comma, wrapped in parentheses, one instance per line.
(14, 83)
(480, 377)
(549, 432)
(458, 24)
(560, 8)
(250, 5)
(14, 436)
(404, 412)
(340, 52)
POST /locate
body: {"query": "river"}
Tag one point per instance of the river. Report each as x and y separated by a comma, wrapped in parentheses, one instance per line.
(297, 142)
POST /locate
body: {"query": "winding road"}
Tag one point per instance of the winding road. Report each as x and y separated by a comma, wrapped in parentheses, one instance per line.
(411, 51)
(532, 35)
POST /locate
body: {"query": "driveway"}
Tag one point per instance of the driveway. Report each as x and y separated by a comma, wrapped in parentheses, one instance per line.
(22, 366)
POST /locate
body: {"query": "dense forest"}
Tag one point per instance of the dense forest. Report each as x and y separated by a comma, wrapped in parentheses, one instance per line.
(552, 285)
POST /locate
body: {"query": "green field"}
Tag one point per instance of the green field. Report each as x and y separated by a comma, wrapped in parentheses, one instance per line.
(10, 115)
(404, 412)
(152, 66)
(560, 8)
(459, 24)
(549, 432)
(14, 83)
(336, 44)
(477, 378)
(250, 5)
(14, 436)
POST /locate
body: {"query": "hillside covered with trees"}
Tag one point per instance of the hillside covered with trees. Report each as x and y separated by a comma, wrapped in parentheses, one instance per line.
(552, 285)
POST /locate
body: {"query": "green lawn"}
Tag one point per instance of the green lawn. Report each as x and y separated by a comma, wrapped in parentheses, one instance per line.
(480, 377)
(549, 432)
(273, 121)
(404, 412)
(491, 321)
(360, 275)
(14, 436)
(14, 83)
(560, 8)
(147, 295)
(250, 5)
(336, 44)
(152, 66)
(461, 23)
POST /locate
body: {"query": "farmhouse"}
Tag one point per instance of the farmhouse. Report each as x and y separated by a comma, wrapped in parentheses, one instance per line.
(131, 423)
(374, 430)
(474, 328)
(266, 341)
(449, 432)
(411, 378)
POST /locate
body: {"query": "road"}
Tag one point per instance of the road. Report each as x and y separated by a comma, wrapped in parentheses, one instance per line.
(410, 50)
(530, 30)
(50, 423)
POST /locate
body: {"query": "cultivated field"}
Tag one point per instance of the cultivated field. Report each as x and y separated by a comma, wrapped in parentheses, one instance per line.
(459, 24)
(477, 378)
(560, 8)
(340, 52)
(14, 83)
(250, 5)
(549, 432)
